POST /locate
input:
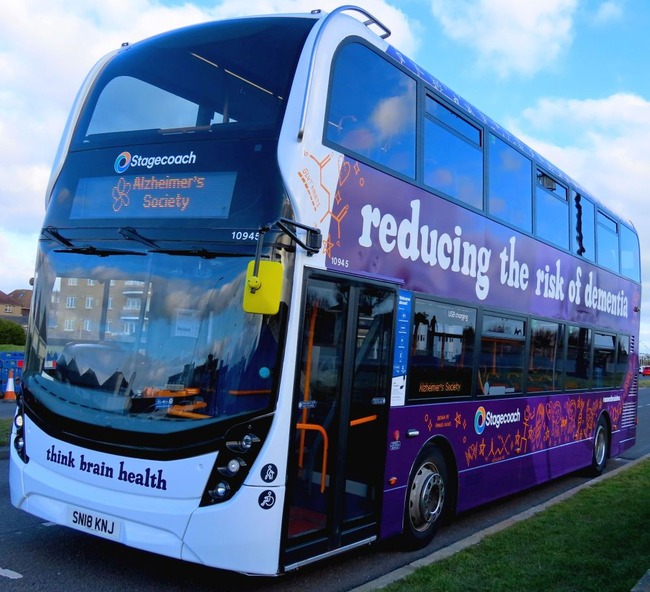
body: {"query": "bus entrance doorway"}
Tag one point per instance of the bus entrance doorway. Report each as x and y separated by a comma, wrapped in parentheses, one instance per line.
(341, 407)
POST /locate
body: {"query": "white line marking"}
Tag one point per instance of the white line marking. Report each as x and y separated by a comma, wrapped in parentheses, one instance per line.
(12, 575)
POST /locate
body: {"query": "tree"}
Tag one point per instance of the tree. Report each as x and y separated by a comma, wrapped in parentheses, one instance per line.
(11, 333)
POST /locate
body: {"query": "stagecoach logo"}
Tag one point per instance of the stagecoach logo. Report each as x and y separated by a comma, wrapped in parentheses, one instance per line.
(484, 418)
(125, 160)
(122, 162)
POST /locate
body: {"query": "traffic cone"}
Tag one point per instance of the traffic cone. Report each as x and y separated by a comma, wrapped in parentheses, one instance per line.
(10, 395)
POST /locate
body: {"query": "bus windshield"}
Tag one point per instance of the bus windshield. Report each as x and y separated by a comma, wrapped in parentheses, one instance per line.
(214, 75)
(150, 343)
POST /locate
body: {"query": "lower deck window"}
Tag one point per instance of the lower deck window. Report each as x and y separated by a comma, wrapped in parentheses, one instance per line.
(501, 367)
(442, 351)
(546, 346)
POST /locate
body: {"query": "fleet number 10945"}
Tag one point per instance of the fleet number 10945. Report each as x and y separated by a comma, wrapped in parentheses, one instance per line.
(244, 235)
(339, 262)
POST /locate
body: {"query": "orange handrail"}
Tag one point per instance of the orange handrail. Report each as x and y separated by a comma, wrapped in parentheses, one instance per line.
(188, 410)
(321, 429)
(368, 419)
(251, 392)
(151, 392)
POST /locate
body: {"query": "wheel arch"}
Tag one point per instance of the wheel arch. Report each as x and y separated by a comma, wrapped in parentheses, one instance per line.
(427, 505)
(447, 451)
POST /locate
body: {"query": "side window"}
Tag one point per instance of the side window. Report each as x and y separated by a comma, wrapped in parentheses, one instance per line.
(604, 374)
(442, 351)
(501, 367)
(583, 228)
(577, 369)
(510, 185)
(372, 109)
(453, 158)
(630, 264)
(546, 339)
(607, 242)
(622, 358)
(551, 211)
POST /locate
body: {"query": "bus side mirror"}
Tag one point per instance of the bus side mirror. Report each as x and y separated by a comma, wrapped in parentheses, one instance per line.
(263, 291)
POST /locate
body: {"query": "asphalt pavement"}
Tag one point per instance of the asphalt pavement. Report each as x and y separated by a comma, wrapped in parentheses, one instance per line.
(7, 408)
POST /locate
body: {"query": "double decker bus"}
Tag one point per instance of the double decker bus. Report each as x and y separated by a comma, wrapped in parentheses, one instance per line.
(293, 295)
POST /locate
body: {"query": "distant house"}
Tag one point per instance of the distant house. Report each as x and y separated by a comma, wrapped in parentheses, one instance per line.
(25, 299)
(15, 306)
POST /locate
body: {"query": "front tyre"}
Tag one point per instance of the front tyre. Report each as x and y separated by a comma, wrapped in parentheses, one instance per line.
(427, 498)
(601, 448)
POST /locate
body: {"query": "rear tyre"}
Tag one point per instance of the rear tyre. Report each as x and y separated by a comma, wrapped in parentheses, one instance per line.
(601, 448)
(427, 498)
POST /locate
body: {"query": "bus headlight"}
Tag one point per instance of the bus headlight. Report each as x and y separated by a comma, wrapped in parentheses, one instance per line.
(232, 467)
(220, 491)
(19, 444)
(19, 436)
(236, 455)
(243, 444)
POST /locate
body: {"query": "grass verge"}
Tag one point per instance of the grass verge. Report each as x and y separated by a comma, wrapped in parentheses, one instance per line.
(596, 540)
(5, 429)
(11, 348)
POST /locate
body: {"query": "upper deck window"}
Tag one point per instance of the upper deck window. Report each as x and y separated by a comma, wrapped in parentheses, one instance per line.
(371, 109)
(607, 242)
(453, 159)
(510, 185)
(198, 78)
(551, 211)
(630, 259)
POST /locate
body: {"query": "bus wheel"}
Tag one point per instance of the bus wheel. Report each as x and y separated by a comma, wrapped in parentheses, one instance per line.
(601, 448)
(427, 498)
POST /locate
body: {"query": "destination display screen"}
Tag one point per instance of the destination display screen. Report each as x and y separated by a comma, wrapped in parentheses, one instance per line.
(191, 195)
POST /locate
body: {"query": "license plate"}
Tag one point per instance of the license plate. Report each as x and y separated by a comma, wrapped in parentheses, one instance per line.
(94, 522)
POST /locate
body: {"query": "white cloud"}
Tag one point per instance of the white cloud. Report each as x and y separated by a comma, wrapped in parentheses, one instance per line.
(607, 155)
(18, 258)
(509, 36)
(610, 140)
(607, 12)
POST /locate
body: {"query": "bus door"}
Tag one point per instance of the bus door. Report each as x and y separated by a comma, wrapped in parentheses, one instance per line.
(342, 398)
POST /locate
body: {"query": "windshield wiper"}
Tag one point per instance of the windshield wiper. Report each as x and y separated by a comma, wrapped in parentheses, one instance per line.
(53, 234)
(89, 250)
(131, 233)
(203, 253)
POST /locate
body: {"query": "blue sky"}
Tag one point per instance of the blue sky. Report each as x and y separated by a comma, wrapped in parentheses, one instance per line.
(570, 77)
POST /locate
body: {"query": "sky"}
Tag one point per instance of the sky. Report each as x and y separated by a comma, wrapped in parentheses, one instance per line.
(569, 77)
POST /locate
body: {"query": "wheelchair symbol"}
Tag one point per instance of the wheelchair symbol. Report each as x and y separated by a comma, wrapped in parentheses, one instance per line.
(266, 499)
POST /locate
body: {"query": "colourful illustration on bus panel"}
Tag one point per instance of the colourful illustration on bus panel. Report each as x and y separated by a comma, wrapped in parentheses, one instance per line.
(385, 227)
(506, 435)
